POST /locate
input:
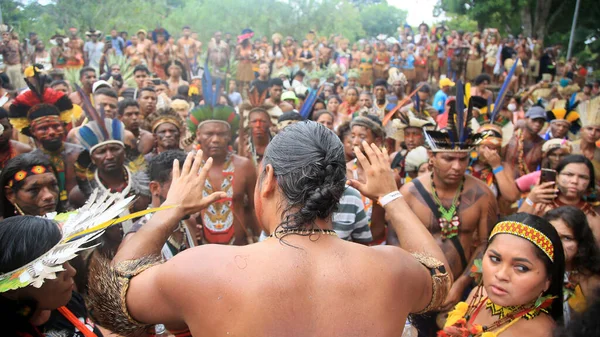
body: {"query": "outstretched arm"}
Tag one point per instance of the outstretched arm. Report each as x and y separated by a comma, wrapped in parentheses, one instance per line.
(133, 292)
(413, 235)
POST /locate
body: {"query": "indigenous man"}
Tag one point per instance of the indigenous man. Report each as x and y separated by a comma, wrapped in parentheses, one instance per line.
(105, 99)
(159, 173)
(43, 114)
(10, 49)
(9, 148)
(454, 207)
(407, 130)
(218, 56)
(260, 123)
(143, 46)
(129, 114)
(590, 134)
(398, 82)
(177, 75)
(391, 293)
(524, 151)
(382, 105)
(75, 50)
(147, 100)
(562, 121)
(167, 128)
(160, 52)
(231, 220)
(87, 77)
(103, 164)
(58, 53)
(275, 91)
(187, 49)
(141, 75)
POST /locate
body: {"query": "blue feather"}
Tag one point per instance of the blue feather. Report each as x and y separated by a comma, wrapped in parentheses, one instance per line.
(417, 105)
(502, 92)
(572, 101)
(309, 103)
(460, 110)
(207, 86)
(217, 92)
(117, 130)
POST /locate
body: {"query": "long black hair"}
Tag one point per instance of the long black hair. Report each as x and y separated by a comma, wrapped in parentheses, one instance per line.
(23, 161)
(23, 239)
(308, 163)
(587, 259)
(555, 269)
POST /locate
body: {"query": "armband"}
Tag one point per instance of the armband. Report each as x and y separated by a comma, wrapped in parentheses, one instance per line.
(529, 202)
(107, 292)
(440, 279)
(498, 169)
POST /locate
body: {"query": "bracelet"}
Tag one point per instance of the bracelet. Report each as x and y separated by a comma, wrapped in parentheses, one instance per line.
(386, 199)
(498, 169)
(529, 202)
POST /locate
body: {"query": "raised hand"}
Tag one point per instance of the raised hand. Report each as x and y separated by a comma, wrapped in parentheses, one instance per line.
(379, 175)
(543, 193)
(187, 185)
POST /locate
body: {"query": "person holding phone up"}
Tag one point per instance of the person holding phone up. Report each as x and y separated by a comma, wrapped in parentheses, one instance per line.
(573, 186)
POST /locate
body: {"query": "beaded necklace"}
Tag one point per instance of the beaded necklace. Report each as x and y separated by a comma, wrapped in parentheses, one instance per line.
(448, 219)
(523, 169)
(462, 318)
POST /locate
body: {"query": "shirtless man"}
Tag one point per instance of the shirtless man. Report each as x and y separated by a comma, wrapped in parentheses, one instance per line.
(10, 49)
(218, 52)
(187, 48)
(143, 46)
(462, 233)
(231, 221)
(129, 114)
(390, 281)
(87, 76)
(75, 50)
(275, 91)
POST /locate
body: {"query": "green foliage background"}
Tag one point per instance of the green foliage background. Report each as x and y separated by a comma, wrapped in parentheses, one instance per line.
(352, 19)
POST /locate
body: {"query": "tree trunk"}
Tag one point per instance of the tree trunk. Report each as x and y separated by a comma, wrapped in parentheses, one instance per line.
(542, 12)
(526, 20)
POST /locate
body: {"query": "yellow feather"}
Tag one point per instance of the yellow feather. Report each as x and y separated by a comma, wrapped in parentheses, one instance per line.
(117, 221)
(19, 123)
(467, 93)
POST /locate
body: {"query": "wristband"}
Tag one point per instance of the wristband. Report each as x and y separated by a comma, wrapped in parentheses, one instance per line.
(386, 199)
(529, 202)
(498, 169)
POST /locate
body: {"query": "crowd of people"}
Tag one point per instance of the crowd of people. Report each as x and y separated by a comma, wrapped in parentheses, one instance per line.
(460, 171)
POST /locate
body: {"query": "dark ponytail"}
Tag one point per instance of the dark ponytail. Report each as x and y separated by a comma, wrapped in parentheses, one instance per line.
(308, 163)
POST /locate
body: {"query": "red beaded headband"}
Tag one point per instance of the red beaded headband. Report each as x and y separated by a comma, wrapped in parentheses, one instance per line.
(23, 174)
(526, 232)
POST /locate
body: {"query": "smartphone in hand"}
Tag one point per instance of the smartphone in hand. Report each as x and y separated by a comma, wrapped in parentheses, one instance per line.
(547, 175)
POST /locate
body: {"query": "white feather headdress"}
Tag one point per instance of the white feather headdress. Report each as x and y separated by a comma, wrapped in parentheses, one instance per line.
(78, 228)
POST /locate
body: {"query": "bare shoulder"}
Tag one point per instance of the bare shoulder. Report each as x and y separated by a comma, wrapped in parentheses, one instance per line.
(71, 136)
(21, 147)
(541, 326)
(242, 162)
(481, 192)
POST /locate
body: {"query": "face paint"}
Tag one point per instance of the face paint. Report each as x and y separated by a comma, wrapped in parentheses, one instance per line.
(49, 131)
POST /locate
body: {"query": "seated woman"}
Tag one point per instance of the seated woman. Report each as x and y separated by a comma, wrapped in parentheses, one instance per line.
(521, 289)
(582, 256)
(29, 186)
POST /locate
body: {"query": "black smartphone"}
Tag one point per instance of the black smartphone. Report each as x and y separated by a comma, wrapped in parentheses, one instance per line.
(547, 176)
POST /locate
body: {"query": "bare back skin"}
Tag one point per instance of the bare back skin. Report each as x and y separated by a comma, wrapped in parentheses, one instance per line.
(242, 288)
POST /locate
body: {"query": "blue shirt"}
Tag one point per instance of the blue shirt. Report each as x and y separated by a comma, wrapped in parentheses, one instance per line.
(439, 101)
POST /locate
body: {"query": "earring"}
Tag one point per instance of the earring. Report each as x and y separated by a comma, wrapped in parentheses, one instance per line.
(18, 210)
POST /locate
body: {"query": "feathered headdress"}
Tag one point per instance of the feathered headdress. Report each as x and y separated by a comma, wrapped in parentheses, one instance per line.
(457, 137)
(395, 129)
(395, 75)
(211, 110)
(162, 116)
(79, 228)
(19, 113)
(415, 158)
(589, 112)
(567, 114)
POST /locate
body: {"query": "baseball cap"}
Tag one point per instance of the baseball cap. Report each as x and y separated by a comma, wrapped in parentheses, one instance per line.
(100, 84)
(446, 82)
(536, 112)
(289, 95)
